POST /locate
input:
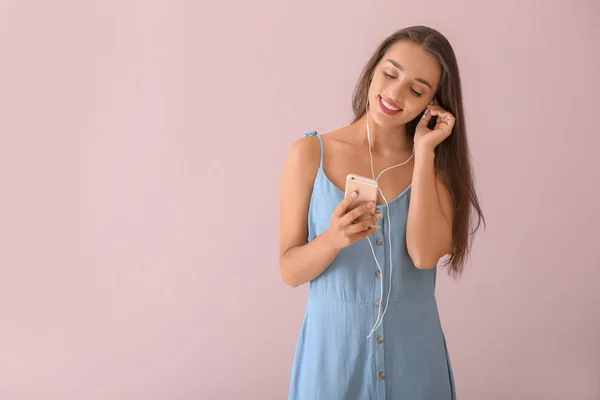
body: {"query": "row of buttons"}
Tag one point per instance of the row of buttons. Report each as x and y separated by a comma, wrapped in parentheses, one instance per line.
(379, 242)
(381, 375)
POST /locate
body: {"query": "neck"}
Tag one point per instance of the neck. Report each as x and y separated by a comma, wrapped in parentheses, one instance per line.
(384, 140)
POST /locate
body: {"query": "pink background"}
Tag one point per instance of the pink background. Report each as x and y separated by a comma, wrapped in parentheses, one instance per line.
(142, 145)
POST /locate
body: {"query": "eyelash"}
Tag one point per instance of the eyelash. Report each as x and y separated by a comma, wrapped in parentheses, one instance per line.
(414, 91)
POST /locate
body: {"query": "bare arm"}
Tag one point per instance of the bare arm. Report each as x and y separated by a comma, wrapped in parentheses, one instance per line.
(429, 225)
(299, 261)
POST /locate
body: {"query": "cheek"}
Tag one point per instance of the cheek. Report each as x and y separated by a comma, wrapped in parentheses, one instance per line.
(373, 93)
(414, 111)
(373, 89)
(377, 84)
(411, 109)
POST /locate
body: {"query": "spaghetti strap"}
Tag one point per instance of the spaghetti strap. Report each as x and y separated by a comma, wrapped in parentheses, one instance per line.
(315, 133)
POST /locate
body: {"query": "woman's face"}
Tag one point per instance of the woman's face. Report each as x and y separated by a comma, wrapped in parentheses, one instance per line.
(405, 80)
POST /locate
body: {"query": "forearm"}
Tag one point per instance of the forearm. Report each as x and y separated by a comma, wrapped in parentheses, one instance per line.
(428, 231)
(304, 263)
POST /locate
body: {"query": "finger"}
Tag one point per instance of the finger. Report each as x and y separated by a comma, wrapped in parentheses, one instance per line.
(364, 225)
(425, 118)
(357, 212)
(444, 123)
(445, 115)
(364, 234)
(441, 112)
(341, 209)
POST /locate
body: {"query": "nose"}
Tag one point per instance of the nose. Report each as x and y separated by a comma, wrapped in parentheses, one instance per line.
(399, 90)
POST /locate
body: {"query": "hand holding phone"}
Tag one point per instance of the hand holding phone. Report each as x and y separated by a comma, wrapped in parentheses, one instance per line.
(354, 218)
(366, 189)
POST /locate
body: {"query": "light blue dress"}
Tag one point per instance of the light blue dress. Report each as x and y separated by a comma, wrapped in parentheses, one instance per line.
(406, 357)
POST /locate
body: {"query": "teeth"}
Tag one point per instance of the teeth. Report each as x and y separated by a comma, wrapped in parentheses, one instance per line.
(388, 105)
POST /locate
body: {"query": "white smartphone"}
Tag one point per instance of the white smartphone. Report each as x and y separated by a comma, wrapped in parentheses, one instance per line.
(367, 190)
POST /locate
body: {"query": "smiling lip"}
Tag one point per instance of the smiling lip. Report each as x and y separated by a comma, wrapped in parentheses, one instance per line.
(386, 110)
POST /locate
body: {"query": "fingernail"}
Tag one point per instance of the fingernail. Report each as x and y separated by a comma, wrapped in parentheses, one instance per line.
(378, 216)
(353, 195)
(370, 205)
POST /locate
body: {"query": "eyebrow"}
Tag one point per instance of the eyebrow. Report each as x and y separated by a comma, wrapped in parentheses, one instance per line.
(423, 81)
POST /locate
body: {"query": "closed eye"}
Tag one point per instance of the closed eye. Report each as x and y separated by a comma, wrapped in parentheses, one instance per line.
(411, 89)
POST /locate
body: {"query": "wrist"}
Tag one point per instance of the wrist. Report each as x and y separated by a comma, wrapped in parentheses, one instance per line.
(424, 152)
(327, 238)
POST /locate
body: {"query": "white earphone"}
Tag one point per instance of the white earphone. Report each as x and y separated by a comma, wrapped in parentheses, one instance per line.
(379, 321)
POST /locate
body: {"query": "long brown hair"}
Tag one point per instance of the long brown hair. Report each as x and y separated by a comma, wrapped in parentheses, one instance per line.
(452, 157)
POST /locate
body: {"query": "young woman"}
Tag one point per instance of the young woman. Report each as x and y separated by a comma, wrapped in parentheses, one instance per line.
(371, 328)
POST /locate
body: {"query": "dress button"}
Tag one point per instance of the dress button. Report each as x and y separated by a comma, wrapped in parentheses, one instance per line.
(381, 375)
(377, 303)
(379, 241)
(378, 273)
(379, 339)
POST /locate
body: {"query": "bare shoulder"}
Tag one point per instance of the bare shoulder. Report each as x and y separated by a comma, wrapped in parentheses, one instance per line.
(303, 158)
(299, 172)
